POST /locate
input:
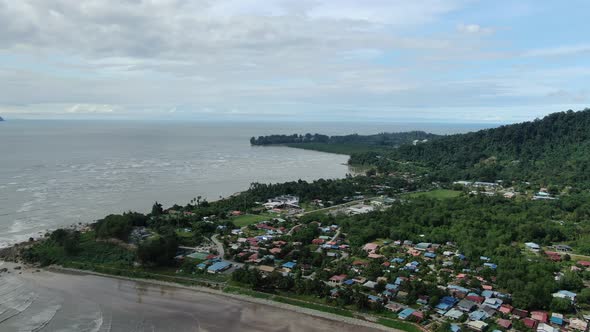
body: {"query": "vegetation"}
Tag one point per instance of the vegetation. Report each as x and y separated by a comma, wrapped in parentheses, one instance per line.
(553, 150)
(437, 194)
(488, 226)
(344, 144)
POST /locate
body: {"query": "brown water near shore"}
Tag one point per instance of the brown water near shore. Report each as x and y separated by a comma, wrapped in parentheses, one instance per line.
(49, 301)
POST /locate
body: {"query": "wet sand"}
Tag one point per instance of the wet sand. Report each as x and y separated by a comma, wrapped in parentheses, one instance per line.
(50, 301)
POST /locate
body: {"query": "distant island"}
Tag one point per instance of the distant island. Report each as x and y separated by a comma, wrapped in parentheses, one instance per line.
(1, 119)
(483, 231)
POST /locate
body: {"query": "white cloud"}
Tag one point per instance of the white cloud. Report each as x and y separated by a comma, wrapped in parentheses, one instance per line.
(308, 58)
(474, 29)
(90, 109)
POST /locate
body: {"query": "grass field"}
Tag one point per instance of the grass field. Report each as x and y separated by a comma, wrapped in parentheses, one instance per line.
(437, 194)
(248, 219)
(396, 324)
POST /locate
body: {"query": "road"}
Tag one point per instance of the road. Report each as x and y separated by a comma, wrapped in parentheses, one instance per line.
(218, 245)
(333, 207)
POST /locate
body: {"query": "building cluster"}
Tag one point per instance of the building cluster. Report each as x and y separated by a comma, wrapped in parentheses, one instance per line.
(466, 307)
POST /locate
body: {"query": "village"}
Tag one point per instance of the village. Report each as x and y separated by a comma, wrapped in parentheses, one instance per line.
(386, 271)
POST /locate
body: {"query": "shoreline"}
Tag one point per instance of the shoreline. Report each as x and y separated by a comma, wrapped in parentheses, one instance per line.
(244, 298)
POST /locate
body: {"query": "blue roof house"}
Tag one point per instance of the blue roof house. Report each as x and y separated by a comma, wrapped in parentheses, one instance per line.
(405, 313)
(490, 265)
(219, 267)
(289, 265)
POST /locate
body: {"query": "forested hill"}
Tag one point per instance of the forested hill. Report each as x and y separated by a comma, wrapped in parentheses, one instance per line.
(552, 150)
(377, 140)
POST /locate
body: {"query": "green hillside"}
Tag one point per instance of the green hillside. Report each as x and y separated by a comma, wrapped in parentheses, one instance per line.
(552, 150)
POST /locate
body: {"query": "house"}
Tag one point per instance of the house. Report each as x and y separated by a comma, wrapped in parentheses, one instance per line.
(493, 302)
(334, 292)
(578, 324)
(422, 299)
(430, 255)
(553, 256)
(506, 309)
(584, 263)
(478, 315)
(417, 316)
(564, 294)
(556, 319)
(374, 299)
(371, 247)
(490, 265)
(520, 313)
(563, 247)
(530, 323)
(546, 328)
(266, 268)
(391, 287)
(455, 328)
(360, 263)
(337, 279)
(454, 314)
(465, 305)
(275, 251)
(487, 294)
(370, 284)
(476, 298)
(423, 246)
(446, 303)
(404, 314)
(393, 307)
(317, 241)
(374, 256)
(219, 267)
(540, 316)
(454, 289)
(477, 325)
(504, 323)
(289, 265)
(509, 195)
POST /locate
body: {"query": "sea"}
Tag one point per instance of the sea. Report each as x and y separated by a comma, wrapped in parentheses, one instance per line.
(55, 173)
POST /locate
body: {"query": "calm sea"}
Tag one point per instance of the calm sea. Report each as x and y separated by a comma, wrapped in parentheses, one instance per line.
(56, 173)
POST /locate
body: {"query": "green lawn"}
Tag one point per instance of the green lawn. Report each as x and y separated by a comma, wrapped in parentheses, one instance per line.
(396, 324)
(437, 194)
(248, 219)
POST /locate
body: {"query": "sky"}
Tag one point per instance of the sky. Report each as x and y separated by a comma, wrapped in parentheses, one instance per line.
(298, 60)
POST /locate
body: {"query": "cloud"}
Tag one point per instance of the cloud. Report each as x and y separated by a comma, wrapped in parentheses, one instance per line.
(474, 29)
(90, 109)
(275, 58)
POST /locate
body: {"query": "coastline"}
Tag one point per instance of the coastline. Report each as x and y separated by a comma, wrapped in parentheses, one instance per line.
(365, 323)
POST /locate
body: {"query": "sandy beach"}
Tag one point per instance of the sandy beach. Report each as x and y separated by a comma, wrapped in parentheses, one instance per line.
(43, 300)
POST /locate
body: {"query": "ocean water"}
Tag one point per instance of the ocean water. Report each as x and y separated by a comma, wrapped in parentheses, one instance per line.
(57, 173)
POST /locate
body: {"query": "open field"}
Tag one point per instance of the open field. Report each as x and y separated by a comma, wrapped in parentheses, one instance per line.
(248, 219)
(436, 194)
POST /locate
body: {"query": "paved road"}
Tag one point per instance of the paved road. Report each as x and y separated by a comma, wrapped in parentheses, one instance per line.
(218, 245)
